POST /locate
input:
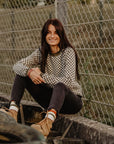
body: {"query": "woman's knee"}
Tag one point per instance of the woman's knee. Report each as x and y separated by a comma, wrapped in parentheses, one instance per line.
(74, 107)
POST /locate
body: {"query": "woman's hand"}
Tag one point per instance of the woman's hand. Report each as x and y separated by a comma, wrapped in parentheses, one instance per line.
(35, 76)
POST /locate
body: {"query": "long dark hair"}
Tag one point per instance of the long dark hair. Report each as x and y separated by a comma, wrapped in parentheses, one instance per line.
(64, 43)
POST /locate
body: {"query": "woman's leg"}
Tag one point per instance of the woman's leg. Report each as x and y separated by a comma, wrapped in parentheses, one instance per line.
(64, 101)
(59, 98)
(18, 89)
(41, 93)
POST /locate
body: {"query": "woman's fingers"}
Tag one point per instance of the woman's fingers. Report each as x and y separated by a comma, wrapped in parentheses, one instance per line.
(37, 82)
(38, 79)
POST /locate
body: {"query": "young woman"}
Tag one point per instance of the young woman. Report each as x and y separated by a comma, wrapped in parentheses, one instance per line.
(50, 74)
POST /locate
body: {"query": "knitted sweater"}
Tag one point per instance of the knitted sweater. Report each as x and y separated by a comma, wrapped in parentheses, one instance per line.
(60, 67)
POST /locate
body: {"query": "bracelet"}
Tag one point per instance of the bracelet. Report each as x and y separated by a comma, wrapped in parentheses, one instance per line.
(29, 72)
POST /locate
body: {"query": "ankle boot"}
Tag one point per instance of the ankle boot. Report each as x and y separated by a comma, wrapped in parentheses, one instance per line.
(10, 112)
(43, 126)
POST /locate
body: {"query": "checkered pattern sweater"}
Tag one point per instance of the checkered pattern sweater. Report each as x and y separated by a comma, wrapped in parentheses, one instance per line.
(60, 67)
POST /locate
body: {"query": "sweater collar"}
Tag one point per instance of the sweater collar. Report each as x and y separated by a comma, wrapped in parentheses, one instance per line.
(55, 54)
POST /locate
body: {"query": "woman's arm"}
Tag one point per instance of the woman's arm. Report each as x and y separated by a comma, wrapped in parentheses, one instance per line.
(22, 66)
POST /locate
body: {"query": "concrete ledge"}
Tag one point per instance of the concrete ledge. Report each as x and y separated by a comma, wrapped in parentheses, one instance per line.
(93, 131)
(90, 131)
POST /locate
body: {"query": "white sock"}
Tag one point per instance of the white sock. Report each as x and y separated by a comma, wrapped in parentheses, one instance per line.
(51, 115)
(13, 106)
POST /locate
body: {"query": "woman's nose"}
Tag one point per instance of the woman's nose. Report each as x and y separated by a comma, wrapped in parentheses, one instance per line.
(52, 35)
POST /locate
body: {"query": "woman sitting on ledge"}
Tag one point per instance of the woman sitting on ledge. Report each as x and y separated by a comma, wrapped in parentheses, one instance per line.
(50, 74)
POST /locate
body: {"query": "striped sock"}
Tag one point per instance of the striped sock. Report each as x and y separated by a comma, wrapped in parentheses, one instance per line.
(51, 114)
(13, 106)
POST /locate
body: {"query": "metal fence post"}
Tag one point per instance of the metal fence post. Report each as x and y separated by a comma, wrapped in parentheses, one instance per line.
(12, 27)
(62, 11)
(56, 8)
(100, 21)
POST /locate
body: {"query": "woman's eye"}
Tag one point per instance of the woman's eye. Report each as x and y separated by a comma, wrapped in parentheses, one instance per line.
(48, 32)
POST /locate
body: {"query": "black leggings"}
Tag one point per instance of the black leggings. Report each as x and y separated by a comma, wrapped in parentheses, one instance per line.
(59, 98)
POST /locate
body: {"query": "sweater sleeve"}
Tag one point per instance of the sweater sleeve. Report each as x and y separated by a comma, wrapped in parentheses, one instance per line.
(22, 66)
(69, 69)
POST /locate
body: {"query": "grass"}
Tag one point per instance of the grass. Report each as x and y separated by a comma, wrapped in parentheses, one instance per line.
(96, 59)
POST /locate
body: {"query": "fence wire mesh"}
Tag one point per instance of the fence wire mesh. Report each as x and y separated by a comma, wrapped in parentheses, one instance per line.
(89, 25)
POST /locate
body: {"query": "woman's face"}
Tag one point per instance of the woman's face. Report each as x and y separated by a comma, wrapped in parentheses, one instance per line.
(52, 38)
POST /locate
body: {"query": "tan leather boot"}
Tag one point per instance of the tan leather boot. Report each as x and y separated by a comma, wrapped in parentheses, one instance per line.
(10, 112)
(43, 126)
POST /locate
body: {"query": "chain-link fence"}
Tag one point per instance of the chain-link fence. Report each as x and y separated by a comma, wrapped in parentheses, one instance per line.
(89, 25)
